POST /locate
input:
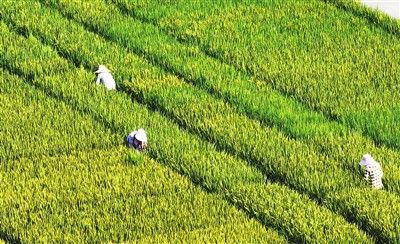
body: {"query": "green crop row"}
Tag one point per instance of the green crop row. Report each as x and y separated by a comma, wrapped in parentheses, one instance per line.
(235, 233)
(103, 196)
(330, 138)
(32, 123)
(187, 105)
(230, 25)
(359, 210)
(169, 144)
(372, 15)
(266, 40)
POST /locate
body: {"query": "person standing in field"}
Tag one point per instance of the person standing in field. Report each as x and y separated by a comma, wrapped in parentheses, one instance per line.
(137, 139)
(372, 171)
(104, 77)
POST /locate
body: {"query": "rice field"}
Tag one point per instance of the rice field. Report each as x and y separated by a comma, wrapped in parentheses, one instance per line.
(257, 114)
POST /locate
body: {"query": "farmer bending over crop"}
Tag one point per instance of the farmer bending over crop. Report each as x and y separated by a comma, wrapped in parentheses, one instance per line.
(373, 171)
(104, 76)
(137, 139)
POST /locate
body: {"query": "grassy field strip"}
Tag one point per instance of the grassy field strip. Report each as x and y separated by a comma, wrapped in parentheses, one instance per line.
(177, 16)
(190, 24)
(362, 212)
(223, 234)
(33, 123)
(212, 170)
(115, 195)
(374, 16)
(328, 137)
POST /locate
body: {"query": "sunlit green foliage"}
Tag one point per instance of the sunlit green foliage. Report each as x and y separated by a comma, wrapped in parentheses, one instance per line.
(34, 124)
(101, 196)
(199, 160)
(300, 48)
(233, 135)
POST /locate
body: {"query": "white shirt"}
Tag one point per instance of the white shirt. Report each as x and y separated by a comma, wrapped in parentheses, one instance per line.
(107, 80)
(376, 169)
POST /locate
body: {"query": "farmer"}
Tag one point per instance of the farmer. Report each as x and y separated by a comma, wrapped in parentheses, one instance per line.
(372, 171)
(137, 139)
(104, 76)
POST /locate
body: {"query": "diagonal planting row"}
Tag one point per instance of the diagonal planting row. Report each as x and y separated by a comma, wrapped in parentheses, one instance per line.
(298, 218)
(370, 224)
(374, 16)
(29, 125)
(319, 62)
(248, 96)
(113, 195)
(219, 234)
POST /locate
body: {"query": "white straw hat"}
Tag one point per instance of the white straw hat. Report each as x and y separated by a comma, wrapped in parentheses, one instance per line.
(367, 160)
(102, 69)
(140, 135)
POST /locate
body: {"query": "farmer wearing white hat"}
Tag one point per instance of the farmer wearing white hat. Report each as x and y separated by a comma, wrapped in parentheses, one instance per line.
(104, 76)
(137, 139)
(372, 171)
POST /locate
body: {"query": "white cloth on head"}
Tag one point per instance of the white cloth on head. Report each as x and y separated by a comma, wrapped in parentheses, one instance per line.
(107, 80)
(370, 163)
(141, 135)
(367, 160)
